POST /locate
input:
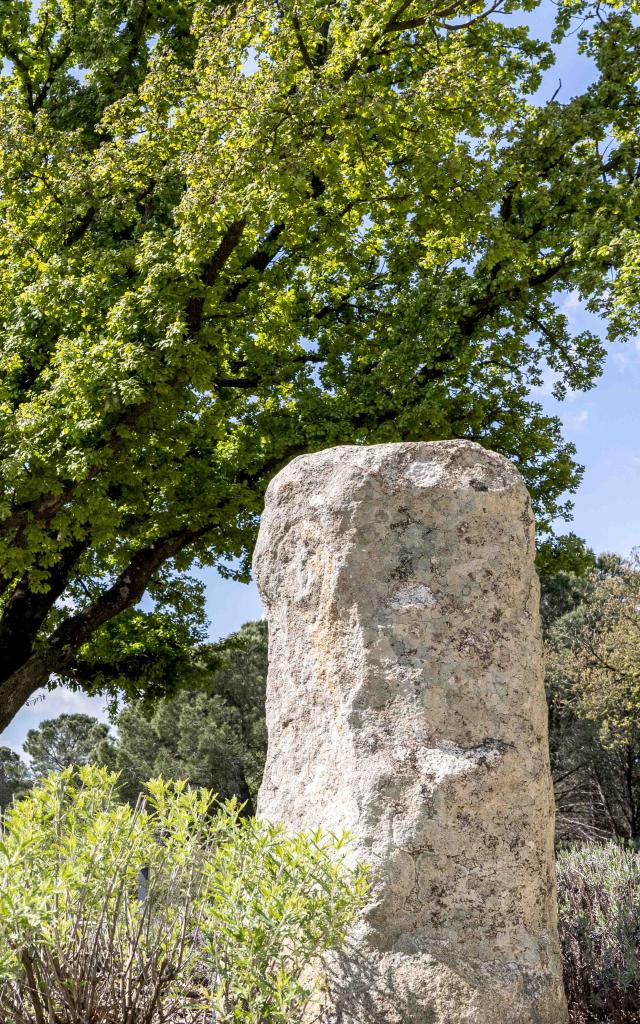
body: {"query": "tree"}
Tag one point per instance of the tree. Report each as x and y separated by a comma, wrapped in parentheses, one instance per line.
(596, 648)
(593, 675)
(63, 742)
(232, 233)
(564, 565)
(213, 733)
(14, 776)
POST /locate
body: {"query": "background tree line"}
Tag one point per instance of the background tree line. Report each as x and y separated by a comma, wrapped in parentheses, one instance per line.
(213, 731)
(591, 613)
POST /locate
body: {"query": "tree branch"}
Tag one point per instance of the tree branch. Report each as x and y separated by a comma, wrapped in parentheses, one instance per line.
(65, 641)
(26, 610)
(475, 19)
(80, 228)
(212, 270)
(302, 46)
(59, 651)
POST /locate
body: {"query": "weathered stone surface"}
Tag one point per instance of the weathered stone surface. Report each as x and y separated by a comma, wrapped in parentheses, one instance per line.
(406, 704)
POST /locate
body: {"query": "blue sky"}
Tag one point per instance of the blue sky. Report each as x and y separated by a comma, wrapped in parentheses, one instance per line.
(604, 424)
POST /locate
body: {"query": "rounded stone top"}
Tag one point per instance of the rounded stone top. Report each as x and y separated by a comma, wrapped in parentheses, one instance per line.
(339, 492)
(444, 465)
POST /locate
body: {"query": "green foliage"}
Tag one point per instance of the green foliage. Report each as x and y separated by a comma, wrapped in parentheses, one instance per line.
(234, 915)
(63, 742)
(143, 653)
(563, 563)
(599, 899)
(592, 633)
(212, 733)
(14, 776)
(265, 928)
(232, 233)
(595, 650)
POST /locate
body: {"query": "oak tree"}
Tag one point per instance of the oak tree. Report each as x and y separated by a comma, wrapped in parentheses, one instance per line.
(232, 232)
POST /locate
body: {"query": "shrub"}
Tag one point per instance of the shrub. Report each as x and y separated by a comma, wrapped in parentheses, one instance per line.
(222, 923)
(599, 899)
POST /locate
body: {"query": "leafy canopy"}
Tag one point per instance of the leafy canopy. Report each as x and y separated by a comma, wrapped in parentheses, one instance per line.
(234, 232)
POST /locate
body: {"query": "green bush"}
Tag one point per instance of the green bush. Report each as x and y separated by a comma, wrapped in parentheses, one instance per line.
(223, 923)
(599, 898)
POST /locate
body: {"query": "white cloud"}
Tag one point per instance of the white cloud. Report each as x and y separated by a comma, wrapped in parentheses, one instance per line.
(61, 701)
(625, 355)
(620, 359)
(571, 305)
(578, 420)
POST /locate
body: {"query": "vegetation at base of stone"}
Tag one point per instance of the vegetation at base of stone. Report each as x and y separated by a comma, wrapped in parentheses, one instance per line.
(212, 733)
(232, 918)
(599, 924)
(592, 628)
(232, 233)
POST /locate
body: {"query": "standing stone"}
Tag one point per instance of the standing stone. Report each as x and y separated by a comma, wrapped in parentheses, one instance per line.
(406, 704)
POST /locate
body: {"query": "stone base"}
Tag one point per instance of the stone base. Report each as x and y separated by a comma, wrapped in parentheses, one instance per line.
(418, 988)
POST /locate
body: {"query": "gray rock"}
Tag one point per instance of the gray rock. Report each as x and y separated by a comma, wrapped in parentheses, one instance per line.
(406, 704)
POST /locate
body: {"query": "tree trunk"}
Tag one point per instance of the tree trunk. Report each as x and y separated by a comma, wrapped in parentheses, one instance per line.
(16, 690)
(244, 793)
